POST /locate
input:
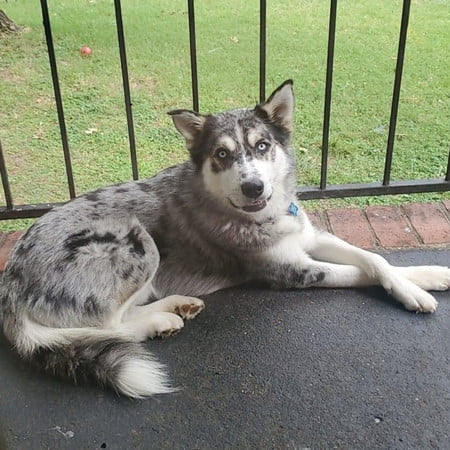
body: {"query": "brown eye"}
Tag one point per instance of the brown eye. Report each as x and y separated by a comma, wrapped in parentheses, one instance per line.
(222, 153)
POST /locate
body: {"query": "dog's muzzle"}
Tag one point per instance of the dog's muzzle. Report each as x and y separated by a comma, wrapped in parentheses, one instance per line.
(253, 191)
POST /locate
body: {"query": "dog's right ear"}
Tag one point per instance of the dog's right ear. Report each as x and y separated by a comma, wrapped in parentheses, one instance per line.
(188, 123)
(279, 107)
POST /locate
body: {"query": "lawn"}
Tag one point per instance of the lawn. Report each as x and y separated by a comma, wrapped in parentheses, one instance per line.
(227, 43)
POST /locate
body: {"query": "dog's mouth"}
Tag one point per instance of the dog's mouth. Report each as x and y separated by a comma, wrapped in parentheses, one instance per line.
(254, 206)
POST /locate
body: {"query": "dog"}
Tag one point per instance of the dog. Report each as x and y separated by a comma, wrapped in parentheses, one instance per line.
(75, 293)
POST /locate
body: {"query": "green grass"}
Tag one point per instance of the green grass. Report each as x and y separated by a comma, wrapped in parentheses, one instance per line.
(227, 43)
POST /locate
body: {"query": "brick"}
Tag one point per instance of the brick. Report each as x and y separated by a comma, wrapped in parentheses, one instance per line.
(8, 245)
(318, 220)
(391, 227)
(429, 222)
(351, 225)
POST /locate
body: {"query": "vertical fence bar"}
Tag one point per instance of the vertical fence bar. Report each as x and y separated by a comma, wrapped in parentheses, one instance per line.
(126, 88)
(262, 50)
(447, 175)
(5, 181)
(328, 89)
(396, 91)
(193, 52)
(58, 100)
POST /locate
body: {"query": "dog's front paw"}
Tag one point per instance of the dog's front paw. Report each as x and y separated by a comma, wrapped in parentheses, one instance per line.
(430, 278)
(413, 297)
(421, 302)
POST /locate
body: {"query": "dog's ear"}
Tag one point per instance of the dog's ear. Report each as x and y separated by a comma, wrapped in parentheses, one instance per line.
(279, 107)
(188, 123)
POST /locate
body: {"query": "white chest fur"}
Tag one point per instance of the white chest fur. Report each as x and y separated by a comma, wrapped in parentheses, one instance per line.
(297, 235)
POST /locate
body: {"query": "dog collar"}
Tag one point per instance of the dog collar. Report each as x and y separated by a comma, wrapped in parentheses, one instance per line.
(293, 209)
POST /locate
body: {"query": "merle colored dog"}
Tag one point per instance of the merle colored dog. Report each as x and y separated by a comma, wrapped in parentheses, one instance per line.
(76, 289)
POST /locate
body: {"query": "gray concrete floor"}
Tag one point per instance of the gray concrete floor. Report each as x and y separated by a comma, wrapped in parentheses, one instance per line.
(263, 369)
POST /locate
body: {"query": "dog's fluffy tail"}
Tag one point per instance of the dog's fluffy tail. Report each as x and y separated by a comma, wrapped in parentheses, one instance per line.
(111, 358)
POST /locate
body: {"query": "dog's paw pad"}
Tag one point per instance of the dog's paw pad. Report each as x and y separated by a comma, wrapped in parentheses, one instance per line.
(165, 324)
(170, 332)
(190, 310)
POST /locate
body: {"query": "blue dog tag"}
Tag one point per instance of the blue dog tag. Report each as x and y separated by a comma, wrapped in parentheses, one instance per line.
(293, 209)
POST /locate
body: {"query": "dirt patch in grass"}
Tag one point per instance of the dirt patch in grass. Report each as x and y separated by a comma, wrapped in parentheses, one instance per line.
(10, 77)
(147, 83)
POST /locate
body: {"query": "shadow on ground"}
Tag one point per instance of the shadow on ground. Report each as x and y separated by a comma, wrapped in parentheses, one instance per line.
(262, 369)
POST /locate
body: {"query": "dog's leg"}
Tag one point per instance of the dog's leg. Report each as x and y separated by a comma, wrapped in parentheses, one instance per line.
(327, 247)
(342, 276)
(339, 276)
(140, 296)
(430, 278)
(139, 327)
(186, 307)
(160, 318)
(144, 324)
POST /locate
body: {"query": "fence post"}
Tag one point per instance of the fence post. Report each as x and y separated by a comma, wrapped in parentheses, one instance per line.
(262, 50)
(193, 52)
(126, 88)
(328, 88)
(5, 181)
(396, 91)
(58, 99)
(447, 175)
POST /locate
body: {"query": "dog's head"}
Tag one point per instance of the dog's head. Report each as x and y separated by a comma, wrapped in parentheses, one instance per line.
(244, 155)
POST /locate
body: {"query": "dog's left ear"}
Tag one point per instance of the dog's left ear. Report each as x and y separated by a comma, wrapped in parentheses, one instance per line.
(279, 107)
(188, 123)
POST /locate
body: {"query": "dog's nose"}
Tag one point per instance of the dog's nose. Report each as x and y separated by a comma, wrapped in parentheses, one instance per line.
(253, 188)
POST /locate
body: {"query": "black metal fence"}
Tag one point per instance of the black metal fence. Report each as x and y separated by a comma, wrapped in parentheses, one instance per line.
(324, 190)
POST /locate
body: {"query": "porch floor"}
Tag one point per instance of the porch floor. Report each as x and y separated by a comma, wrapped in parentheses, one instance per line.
(263, 369)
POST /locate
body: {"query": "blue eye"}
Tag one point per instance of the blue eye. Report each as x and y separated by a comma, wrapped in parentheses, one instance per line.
(262, 146)
(221, 153)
